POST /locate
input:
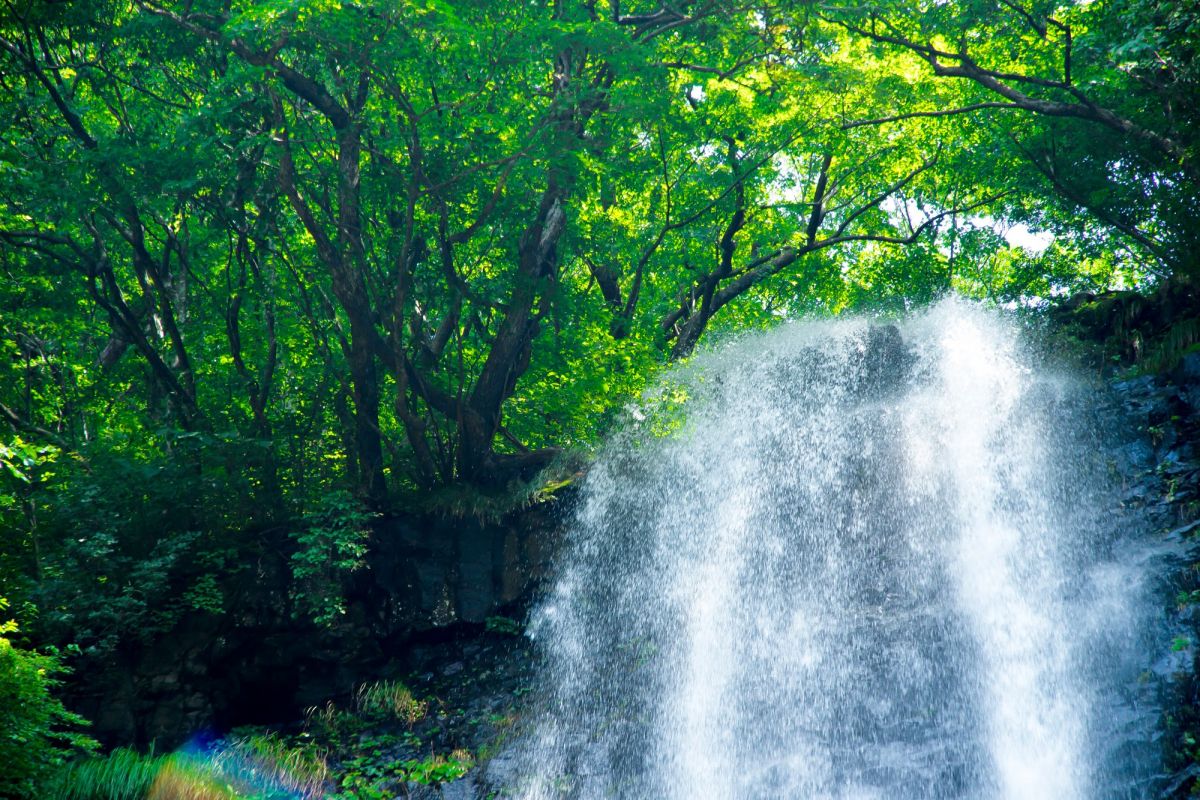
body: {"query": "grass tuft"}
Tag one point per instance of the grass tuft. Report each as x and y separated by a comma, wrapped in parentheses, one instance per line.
(121, 775)
(390, 699)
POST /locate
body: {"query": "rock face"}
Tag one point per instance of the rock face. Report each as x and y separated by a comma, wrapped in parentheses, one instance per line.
(428, 575)
(257, 664)
(1160, 463)
(1136, 326)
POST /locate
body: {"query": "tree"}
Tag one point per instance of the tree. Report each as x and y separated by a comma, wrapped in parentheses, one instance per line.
(1098, 98)
(382, 241)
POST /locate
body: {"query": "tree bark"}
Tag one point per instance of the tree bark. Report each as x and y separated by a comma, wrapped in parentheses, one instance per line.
(509, 354)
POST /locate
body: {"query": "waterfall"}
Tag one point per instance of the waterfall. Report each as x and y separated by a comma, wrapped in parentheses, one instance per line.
(849, 561)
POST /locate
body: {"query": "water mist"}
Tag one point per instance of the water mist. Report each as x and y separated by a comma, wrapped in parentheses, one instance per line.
(859, 561)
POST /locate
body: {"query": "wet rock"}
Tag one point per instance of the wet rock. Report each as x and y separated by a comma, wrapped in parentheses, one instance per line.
(1181, 782)
(463, 789)
(432, 573)
(885, 361)
(502, 770)
(1187, 371)
(1184, 530)
(1135, 457)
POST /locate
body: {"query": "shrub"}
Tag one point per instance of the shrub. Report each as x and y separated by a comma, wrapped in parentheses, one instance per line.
(37, 734)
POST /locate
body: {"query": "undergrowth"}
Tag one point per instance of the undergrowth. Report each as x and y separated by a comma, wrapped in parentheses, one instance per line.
(369, 749)
(259, 766)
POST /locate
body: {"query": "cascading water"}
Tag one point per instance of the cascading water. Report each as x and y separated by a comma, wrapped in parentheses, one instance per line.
(868, 563)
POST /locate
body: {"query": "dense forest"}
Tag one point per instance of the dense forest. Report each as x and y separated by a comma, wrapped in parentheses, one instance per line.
(272, 270)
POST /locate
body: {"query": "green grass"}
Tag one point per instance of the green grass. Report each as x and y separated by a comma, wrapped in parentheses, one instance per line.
(256, 767)
(121, 775)
(390, 699)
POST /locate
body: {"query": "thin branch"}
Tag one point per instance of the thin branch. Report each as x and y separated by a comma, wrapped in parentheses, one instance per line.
(961, 65)
(18, 423)
(946, 112)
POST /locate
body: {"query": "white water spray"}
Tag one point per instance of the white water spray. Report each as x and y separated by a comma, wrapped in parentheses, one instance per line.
(870, 564)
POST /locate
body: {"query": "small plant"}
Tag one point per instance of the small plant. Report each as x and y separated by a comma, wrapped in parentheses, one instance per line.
(503, 721)
(332, 724)
(250, 767)
(181, 779)
(438, 769)
(121, 775)
(331, 543)
(504, 625)
(268, 761)
(504, 726)
(128, 775)
(390, 699)
(1156, 434)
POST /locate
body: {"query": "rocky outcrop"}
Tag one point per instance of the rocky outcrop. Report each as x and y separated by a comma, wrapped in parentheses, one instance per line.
(1149, 328)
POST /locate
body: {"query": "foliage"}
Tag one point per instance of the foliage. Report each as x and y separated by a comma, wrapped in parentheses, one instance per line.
(121, 775)
(37, 733)
(369, 779)
(438, 769)
(352, 754)
(435, 244)
(370, 759)
(160, 536)
(503, 625)
(333, 725)
(1087, 111)
(332, 541)
(266, 762)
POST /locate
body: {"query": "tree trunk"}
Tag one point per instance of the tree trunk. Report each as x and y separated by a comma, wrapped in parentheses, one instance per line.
(509, 355)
